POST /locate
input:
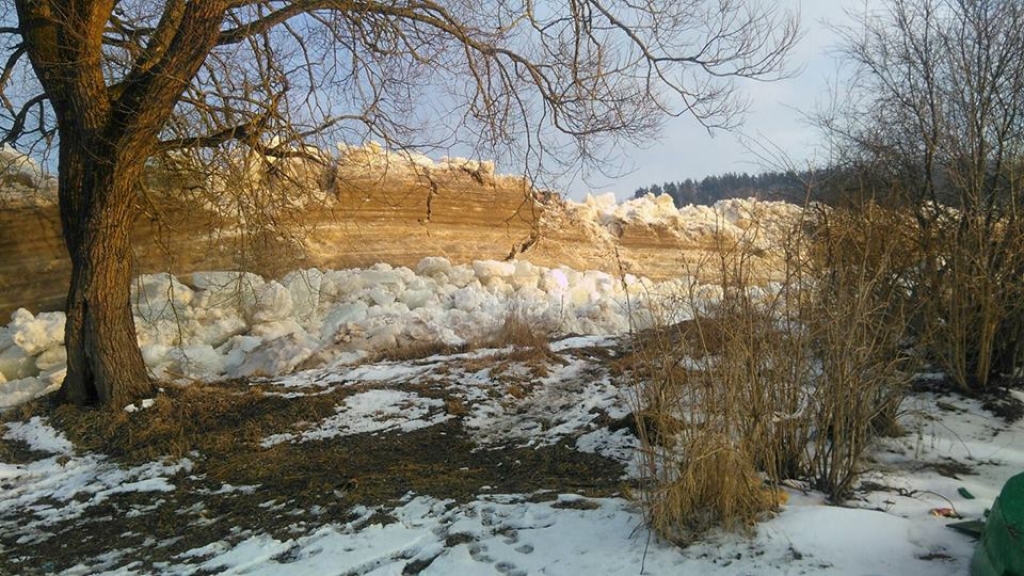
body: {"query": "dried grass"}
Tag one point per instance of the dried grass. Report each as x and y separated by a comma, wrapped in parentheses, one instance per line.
(214, 419)
(714, 485)
(521, 330)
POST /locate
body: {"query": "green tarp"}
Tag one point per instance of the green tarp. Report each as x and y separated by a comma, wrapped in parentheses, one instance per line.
(1001, 550)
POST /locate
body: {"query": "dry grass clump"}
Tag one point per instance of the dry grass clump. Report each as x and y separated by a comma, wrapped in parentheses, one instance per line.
(521, 339)
(715, 484)
(520, 329)
(213, 419)
(763, 385)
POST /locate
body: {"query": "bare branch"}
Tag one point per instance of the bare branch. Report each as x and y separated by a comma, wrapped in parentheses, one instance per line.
(18, 126)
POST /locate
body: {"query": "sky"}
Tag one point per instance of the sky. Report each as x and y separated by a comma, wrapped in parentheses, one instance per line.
(776, 119)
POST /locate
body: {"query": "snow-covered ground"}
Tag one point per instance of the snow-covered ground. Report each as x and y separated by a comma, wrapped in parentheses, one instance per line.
(226, 325)
(888, 528)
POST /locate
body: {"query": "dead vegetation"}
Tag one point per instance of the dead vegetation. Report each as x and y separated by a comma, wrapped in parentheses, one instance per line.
(762, 385)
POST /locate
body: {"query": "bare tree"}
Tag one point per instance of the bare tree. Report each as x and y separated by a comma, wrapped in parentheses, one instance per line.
(937, 114)
(113, 84)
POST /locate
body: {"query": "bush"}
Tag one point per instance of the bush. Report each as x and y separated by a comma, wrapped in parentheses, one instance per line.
(765, 384)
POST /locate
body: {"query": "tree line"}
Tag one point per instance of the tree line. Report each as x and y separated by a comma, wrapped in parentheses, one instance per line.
(789, 185)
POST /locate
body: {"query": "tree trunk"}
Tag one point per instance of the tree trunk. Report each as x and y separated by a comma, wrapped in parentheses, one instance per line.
(105, 365)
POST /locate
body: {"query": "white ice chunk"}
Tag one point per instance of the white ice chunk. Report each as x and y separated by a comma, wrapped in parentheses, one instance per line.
(340, 316)
(54, 376)
(525, 275)
(15, 364)
(226, 289)
(155, 355)
(554, 281)
(466, 299)
(236, 349)
(338, 284)
(279, 356)
(160, 297)
(433, 265)
(462, 276)
(22, 390)
(165, 332)
(380, 296)
(419, 298)
(275, 330)
(36, 334)
(200, 362)
(215, 329)
(273, 303)
(487, 269)
(52, 358)
(304, 286)
(379, 274)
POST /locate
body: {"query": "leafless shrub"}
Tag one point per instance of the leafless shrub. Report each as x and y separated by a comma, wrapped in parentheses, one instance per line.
(933, 118)
(767, 383)
(858, 321)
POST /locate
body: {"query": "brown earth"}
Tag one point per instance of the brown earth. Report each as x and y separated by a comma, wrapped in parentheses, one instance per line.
(397, 217)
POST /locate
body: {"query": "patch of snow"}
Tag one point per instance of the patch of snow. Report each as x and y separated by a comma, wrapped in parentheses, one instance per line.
(39, 436)
(369, 412)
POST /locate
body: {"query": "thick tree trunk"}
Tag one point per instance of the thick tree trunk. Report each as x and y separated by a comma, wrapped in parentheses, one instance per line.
(105, 365)
(107, 131)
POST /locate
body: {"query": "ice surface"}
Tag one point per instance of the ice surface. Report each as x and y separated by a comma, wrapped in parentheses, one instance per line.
(232, 324)
(758, 223)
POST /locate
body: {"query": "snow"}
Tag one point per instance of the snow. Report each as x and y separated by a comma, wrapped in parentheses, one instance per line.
(887, 528)
(66, 485)
(511, 534)
(230, 324)
(372, 411)
(39, 436)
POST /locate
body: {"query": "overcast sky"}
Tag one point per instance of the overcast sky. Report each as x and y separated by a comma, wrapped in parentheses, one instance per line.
(775, 116)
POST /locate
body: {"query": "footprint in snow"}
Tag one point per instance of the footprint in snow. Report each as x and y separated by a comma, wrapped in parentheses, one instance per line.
(509, 569)
(478, 552)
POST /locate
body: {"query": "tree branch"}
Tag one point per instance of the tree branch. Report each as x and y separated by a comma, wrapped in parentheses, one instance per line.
(18, 125)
